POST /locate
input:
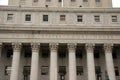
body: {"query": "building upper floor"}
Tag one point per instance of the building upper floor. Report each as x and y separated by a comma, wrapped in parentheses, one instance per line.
(59, 17)
(61, 3)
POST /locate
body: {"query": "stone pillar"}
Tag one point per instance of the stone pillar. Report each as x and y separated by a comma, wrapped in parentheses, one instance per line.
(72, 61)
(0, 49)
(15, 61)
(90, 61)
(53, 61)
(34, 61)
(109, 61)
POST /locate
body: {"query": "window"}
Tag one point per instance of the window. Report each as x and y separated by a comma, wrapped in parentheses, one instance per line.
(10, 17)
(97, 0)
(116, 71)
(7, 70)
(85, 0)
(28, 17)
(72, 0)
(62, 17)
(96, 54)
(79, 18)
(59, 0)
(79, 53)
(62, 70)
(114, 53)
(97, 18)
(48, 0)
(44, 70)
(114, 18)
(79, 70)
(35, 0)
(9, 52)
(45, 17)
(26, 70)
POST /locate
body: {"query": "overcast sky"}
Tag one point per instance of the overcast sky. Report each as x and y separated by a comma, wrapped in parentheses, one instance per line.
(116, 3)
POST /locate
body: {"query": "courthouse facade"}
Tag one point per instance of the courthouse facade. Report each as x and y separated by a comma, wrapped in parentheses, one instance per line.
(59, 40)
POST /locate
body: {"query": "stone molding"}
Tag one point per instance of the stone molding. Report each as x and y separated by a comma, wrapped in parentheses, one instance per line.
(89, 47)
(35, 46)
(16, 46)
(53, 46)
(108, 48)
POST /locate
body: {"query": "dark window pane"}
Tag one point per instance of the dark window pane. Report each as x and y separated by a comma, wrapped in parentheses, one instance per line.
(45, 17)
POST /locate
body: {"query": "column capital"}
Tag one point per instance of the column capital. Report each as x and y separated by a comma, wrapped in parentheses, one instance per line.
(35, 46)
(108, 47)
(16, 46)
(89, 47)
(53, 46)
(71, 46)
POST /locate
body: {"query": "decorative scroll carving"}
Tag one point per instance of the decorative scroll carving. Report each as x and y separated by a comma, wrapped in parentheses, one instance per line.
(89, 47)
(16, 46)
(108, 48)
(35, 46)
(72, 46)
(53, 46)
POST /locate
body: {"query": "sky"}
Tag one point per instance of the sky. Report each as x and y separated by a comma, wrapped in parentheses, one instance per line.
(116, 3)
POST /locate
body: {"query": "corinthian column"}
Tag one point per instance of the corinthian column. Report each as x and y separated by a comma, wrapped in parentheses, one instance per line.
(109, 61)
(53, 61)
(72, 61)
(15, 61)
(90, 61)
(34, 61)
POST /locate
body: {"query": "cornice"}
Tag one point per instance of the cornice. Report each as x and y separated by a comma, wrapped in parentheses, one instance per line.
(55, 9)
(61, 28)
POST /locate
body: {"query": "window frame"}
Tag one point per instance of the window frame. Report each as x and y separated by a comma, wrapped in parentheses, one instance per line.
(79, 18)
(28, 17)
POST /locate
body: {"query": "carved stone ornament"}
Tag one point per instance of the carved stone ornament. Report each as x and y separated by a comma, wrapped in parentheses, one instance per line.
(89, 47)
(72, 46)
(108, 48)
(35, 46)
(16, 46)
(53, 46)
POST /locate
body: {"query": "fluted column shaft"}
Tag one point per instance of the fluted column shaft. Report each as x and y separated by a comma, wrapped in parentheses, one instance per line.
(109, 61)
(72, 61)
(15, 61)
(53, 61)
(34, 61)
(90, 62)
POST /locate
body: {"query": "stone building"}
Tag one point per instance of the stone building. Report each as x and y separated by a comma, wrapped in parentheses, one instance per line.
(59, 40)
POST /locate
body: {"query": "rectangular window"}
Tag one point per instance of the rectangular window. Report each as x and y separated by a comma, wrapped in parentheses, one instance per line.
(114, 18)
(72, 0)
(59, 0)
(97, 18)
(28, 17)
(97, 0)
(116, 71)
(79, 70)
(85, 0)
(62, 69)
(62, 17)
(26, 70)
(35, 0)
(10, 17)
(48, 0)
(79, 53)
(96, 54)
(79, 18)
(45, 17)
(7, 70)
(44, 70)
